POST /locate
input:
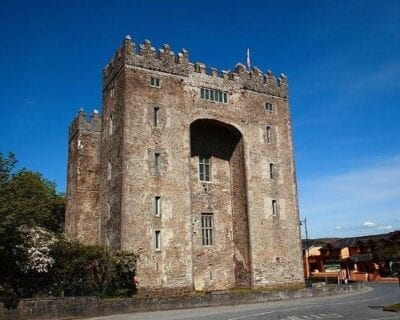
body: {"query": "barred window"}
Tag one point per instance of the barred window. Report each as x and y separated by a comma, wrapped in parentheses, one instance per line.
(214, 95)
(204, 168)
(207, 229)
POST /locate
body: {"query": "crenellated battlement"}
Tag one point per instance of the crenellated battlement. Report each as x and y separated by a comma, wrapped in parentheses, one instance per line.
(84, 122)
(165, 60)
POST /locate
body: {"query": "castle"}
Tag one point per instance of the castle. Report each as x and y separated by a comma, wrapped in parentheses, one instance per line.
(192, 168)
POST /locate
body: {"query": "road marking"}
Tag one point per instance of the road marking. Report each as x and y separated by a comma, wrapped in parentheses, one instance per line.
(309, 306)
(350, 302)
(268, 312)
(315, 316)
(395, 317)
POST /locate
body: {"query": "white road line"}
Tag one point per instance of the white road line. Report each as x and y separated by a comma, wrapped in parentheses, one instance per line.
(395, 317)
(309, 306)
(272, 311)
(350, 302)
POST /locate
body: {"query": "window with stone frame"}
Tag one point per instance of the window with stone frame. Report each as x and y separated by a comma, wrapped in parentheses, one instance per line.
(157, 163)
(268, 134)
(207, 229)
(155, 82)
(109, 171)
(110, 125)
(157, 206)
(274, 205)
(204, 167)
(272, 171)
(214, 95)
(157, 240)
(156, 112)
(269, 107)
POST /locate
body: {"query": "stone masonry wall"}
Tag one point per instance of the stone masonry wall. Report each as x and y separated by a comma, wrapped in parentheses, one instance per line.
(82, 211)
(170, 266)
(73, 307)
(111, 163)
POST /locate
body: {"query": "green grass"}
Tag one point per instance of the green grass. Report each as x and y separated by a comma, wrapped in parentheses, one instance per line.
(393, 307)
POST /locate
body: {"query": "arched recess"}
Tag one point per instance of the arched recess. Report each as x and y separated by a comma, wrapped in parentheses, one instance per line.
(224, 196)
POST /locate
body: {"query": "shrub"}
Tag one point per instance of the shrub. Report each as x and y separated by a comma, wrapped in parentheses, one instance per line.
(69, 269)
(91, 270)
(36, 259)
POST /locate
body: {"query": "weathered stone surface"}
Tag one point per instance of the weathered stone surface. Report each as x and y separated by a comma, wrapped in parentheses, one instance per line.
(252, 247)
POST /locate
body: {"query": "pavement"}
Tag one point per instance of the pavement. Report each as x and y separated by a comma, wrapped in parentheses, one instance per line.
(367, 305)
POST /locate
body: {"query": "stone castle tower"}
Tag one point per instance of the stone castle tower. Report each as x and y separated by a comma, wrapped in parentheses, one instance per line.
(191, 167)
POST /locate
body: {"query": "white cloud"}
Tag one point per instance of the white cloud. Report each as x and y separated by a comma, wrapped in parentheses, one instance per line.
(369, 224)
(338, 227)
(353, 200)
(388, 227)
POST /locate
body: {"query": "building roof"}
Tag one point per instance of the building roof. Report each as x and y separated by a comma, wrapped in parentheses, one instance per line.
(361, 257)
(339, 243)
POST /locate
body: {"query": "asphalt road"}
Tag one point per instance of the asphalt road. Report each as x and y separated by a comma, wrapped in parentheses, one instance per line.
(358, 306)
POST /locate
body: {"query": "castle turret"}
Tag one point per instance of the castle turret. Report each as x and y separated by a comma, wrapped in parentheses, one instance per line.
(82, 212)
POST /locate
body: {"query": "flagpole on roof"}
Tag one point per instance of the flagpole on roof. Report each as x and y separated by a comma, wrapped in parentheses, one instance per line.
(248, 59)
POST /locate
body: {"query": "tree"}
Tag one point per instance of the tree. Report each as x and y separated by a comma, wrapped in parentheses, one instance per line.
(37, 259)
(28, 203)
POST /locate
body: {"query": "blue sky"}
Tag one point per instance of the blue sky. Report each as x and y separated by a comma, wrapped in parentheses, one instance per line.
(342, 59)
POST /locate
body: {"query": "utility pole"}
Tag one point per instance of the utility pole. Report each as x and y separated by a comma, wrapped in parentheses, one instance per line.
(307, 252)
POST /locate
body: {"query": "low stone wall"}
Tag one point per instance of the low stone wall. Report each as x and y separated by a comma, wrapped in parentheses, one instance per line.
(57, 308)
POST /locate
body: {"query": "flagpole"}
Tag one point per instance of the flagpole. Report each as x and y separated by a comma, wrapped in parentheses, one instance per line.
(248, 59)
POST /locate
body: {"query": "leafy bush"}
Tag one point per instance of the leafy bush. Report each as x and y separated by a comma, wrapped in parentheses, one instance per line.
(91, 270)
(36, 258)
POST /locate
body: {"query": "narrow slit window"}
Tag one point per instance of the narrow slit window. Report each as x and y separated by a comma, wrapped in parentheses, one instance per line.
(157, 240)
(155, 116)
(157, 163)
(207, 229)
(271, 171)
(109, 171)
(110, 125)
(108, 210)
(204, 168)
(268, 134)
(157, 206)
(274, 208)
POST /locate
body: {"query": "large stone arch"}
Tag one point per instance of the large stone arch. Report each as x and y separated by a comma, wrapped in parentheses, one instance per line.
(226, 263)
